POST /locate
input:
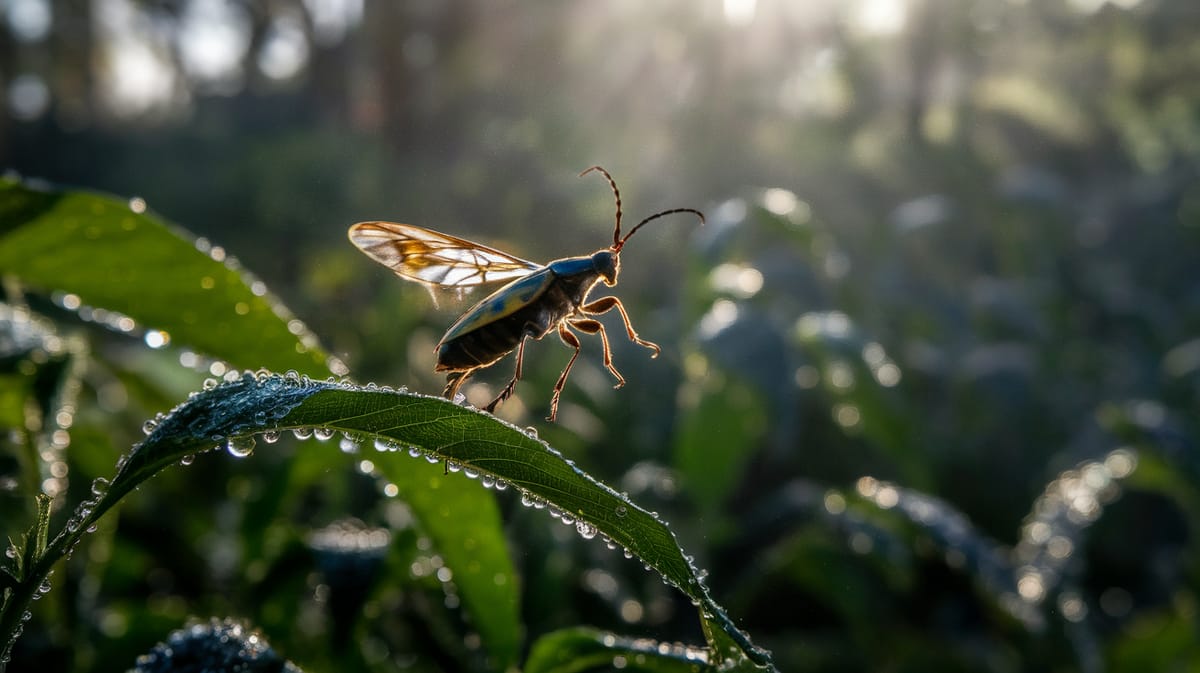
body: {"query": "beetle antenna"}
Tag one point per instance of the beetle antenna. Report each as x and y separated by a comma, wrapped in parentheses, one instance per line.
(616, 195)
(620, 243)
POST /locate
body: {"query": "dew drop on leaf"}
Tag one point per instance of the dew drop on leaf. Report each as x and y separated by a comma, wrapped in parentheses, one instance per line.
(99, 486)
(240, 447)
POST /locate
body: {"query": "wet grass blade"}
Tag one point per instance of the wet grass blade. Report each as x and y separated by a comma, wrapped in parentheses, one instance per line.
(585, 649)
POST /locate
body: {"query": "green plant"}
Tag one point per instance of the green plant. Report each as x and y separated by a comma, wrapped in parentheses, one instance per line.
(125, 268)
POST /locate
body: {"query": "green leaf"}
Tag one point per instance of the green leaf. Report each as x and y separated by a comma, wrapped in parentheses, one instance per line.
(721, 421)
(403, 423)
(119, 259)
(464, 523)
(40, 532)
(584, 649)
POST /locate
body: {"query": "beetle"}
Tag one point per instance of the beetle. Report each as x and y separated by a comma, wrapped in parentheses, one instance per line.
(538, 299)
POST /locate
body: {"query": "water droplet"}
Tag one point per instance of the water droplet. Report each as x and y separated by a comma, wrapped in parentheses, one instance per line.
(188, 459)
(501, 485)
(531, 431)
(99, 486)
(488, 481)
(11, 552)
(302, 433)
(348, 444)
(240, 447)
(322, 433)
(92, 528)
(452, 466)
(260, 417)
(270, 436)
(471, 473)
(414, 452)
(585, 530)
(622, 510)
(149, 426)
(210, 383)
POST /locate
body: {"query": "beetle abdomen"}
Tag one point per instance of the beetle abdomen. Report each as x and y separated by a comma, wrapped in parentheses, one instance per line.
(481, 346)
(490, 342)
(483, 341)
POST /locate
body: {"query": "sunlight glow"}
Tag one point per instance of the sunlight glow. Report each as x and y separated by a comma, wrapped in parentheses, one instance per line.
(881, 17)
(285, 51)
(213, 38)
(332, 18)
(740, 12)
(30, 20)
(137, 78)
(28, 97)
(135, 72)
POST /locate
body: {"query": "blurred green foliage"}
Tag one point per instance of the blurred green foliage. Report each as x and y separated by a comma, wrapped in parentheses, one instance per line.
(956, 256)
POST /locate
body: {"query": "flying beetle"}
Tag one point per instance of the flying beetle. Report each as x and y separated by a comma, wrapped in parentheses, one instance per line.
(538, 299)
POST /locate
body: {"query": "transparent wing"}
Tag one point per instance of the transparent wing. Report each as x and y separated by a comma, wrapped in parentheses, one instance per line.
(435, 259)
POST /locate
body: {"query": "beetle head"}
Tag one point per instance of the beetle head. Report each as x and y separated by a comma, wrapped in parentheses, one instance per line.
(607, 263)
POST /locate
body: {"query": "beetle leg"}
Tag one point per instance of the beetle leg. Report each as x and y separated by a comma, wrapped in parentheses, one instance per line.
(594, 327)
(508, 390)
(453, 381)
(606, 304)
(573, 341)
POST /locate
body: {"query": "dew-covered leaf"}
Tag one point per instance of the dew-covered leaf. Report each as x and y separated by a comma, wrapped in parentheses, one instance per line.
(577, 650)
(115, 257)
(467, 531)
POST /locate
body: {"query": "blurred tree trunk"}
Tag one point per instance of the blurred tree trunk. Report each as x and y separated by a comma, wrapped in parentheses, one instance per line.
(71, 51)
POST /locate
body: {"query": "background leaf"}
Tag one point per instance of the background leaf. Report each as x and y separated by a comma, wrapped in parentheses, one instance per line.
(114, 256)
